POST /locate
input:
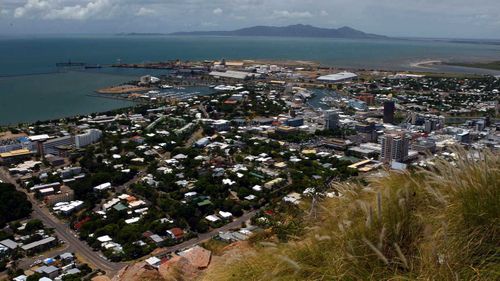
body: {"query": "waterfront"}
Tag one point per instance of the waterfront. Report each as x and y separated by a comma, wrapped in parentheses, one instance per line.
(25, 97)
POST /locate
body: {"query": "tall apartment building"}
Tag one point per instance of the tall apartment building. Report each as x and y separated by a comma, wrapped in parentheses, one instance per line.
(88, 137)
(389, 109)
(395, 147)
(331, 120)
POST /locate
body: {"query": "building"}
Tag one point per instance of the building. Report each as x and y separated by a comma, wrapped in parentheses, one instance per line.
(55, 160)
(424, 146)
(337, 77)
(7, 145)
(395, 147)
(40, 245)
(50, 146)
(358, 104)
(389, 109)
(232, 74)
(433, 123)
(89, 137)
(295, 122)
(366, 132)
(331, 120)
(15, 156)
(368, 98)
(463, 137)
(221, 125)
(64, 195)
(48, 271)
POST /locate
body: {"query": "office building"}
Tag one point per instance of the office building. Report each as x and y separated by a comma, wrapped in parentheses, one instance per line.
(389, 109)
(331, 120)
(366, 132)
(395, 147)
(295, 122)
(433, 123)
(89, 137)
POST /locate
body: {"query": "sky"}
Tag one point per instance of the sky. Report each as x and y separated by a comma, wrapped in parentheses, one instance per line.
(402, 18)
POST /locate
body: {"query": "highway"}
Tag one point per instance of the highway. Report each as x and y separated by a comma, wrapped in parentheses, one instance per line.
(64, 233)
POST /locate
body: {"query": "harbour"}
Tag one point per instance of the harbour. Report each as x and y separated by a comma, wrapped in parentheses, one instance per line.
(52, 92)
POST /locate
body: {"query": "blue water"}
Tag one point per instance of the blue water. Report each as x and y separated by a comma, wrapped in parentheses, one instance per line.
(26, 97)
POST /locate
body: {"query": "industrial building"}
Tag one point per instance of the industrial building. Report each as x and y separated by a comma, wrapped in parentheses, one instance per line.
(337, 77)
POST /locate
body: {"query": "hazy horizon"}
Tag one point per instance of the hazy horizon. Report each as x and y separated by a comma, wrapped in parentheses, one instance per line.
(454, 19)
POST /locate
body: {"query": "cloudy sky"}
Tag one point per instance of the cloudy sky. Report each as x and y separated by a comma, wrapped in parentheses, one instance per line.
(419, 18)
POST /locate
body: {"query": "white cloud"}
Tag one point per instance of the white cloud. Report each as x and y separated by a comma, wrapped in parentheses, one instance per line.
(52, 10)
(443, 18)
(101, 8)
(291, 15)
(32, 7)
(217, 11)
(143, 11)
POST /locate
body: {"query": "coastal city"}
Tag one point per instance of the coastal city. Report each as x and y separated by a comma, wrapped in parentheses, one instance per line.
(216, 154)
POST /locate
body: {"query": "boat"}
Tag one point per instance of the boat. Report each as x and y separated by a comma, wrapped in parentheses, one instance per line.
(224, 88)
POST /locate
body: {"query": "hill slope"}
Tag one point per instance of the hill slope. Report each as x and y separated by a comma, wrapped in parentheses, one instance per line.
(442, 224)
(298, 30)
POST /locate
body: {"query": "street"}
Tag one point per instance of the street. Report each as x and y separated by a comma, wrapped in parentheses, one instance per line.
(95, 259)
(65, 234)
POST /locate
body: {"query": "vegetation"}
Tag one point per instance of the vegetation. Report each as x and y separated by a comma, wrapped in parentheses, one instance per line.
(15, 204)
(495, 65)
(437, 224)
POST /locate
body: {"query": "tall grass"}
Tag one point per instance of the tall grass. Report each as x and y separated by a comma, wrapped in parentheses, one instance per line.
(437, 224)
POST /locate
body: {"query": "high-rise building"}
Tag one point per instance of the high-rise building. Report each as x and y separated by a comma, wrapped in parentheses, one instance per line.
(433, 123)
(367, 132)
(331, 120)
(389, 108)
(395, 147)
(90, 136)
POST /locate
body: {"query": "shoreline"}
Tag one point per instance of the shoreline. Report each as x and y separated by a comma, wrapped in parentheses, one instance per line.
(111, 90)
(426, 64)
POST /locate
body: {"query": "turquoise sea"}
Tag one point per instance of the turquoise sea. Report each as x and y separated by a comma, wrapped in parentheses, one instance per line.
(31, 88)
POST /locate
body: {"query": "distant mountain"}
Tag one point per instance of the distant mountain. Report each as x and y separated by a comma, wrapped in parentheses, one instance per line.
(298, 30)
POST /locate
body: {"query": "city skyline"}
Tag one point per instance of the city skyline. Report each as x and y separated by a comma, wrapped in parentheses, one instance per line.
(424, 18)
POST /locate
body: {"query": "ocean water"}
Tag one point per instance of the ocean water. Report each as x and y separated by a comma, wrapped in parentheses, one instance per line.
(31, 88)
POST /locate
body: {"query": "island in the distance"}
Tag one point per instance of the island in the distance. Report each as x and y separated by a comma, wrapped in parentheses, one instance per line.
(296, 30)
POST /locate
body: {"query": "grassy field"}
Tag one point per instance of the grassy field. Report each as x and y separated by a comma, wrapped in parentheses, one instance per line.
(438, 224)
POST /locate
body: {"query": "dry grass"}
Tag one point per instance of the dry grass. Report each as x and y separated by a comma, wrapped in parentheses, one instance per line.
(441, 224)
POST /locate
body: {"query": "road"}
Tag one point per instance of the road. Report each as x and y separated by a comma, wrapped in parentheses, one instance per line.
(95, 259)
(64, 233)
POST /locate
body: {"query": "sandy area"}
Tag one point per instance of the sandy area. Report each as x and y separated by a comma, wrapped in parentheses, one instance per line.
(123, 89)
